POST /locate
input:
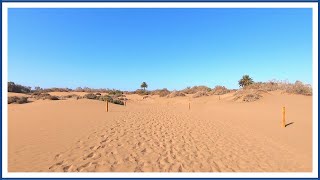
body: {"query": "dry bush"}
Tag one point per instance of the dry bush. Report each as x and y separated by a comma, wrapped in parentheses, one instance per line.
(220, 90)
(297, 88)
(195, 89)
(12, 87)
(53, 98)
(71, 96)
(90, 96)
(17, 100)
(248, 95)
(44, 96)
(176, 94)
(161, 92)
(251, 97)
(200, 94)
(141, 92)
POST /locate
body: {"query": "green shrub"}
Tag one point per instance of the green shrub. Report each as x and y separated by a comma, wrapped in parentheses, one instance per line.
(245, 81)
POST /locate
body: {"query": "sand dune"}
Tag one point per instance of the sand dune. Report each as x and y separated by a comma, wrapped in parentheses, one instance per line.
(162, 135)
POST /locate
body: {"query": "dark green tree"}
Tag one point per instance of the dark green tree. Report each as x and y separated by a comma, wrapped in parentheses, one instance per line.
(144, 85)
(245, 81)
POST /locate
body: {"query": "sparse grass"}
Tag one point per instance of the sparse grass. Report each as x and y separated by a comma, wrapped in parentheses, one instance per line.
(17, 100)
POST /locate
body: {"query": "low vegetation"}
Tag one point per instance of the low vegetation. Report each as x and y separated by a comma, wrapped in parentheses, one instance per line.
(17, 88)
(176, 94)
(292, 88)
(220, 90)
(141, 92)
(17, 100)
(44, 96)
(112, 99)
(248, 95)
(195, 89)
(200, 94)
(249, 91)
(161, 92)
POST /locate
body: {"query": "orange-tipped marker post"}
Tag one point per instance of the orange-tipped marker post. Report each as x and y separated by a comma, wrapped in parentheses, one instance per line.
(107, 106)
(283, 117)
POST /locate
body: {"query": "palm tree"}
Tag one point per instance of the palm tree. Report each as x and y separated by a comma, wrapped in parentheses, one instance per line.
(144, 85)
(245, 81)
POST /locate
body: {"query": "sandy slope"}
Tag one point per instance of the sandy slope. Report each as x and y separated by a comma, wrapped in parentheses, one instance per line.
(162, 135)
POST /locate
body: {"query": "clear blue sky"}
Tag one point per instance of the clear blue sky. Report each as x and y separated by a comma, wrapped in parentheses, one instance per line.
(172, 48)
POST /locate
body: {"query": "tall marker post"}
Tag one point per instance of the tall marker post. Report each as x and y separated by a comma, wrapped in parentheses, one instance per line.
(107, 106)
(283, 117)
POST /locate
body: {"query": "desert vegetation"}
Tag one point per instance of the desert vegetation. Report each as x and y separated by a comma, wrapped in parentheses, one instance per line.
(195, 89)
(246, 80)
(176, 94)
(116, 99)
(200, 94)
(44, 96)
(161, 92)
(144, 85)
(249, 91)
(17, 100)
(220, 90)
(17, 88)
(293, 88)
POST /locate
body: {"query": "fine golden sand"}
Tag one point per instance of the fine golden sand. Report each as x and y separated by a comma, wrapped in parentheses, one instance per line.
(161, 135)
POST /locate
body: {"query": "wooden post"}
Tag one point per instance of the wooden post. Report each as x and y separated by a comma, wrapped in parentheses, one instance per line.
(189, 105)
(107, 108)
(283, 117)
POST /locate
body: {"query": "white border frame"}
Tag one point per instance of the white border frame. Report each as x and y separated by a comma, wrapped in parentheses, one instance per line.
(6, 5)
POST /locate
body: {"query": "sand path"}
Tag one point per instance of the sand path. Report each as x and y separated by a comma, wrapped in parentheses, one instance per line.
(162, 138)
(159, 135)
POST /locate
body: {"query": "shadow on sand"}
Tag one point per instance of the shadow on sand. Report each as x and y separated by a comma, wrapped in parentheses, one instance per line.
(289, 124)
